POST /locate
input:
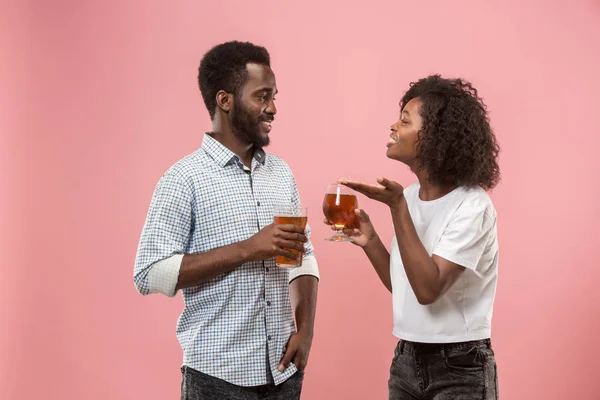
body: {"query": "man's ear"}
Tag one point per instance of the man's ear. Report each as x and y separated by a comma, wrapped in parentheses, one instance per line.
(224, 100)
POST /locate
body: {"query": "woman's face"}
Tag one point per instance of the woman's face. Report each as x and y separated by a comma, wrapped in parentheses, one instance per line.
(405, 133)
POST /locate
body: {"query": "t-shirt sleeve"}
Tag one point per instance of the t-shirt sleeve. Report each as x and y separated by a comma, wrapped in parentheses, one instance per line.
(466, 236)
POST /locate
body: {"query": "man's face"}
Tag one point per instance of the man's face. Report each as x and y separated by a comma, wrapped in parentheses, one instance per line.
(254, 106)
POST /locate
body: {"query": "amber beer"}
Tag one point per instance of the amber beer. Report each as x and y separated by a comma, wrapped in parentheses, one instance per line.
(340, 212)
(339, 207)
(294, 216)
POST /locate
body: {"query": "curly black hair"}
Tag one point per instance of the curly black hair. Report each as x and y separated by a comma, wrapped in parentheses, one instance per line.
(224, 68)
(456, 145)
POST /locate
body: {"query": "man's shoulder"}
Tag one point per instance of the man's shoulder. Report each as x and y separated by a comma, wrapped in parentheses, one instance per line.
(190, 164)
(186, 169)
(276, 162)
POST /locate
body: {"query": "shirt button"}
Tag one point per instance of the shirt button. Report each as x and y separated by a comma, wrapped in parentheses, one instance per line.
(269, 337)
(268, 303)
(267, 269)
(258, 203)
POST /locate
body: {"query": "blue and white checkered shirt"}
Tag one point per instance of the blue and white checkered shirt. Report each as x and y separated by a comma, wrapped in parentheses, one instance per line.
(234, 326)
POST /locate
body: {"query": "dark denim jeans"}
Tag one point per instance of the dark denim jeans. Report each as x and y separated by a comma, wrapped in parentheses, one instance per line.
(198, 386)
(450, 371)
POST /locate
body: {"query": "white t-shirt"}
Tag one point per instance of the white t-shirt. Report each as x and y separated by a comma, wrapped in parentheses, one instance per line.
(460, 227)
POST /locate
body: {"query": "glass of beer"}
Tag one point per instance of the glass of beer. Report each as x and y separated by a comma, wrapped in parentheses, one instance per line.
(338, 207)
(295, 215)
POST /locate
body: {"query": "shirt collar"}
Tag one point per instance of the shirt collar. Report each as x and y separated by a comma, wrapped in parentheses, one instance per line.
(223, 156)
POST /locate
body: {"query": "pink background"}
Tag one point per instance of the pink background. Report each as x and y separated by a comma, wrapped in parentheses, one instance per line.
(99, 98)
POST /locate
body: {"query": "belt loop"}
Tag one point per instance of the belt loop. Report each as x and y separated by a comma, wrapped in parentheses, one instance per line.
(401, 346)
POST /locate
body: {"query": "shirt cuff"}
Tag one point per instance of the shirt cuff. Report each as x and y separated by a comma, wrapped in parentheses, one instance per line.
(309, 267)
(164, 274)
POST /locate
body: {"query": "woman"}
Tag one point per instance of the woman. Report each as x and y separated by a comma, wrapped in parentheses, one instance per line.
(442, 267)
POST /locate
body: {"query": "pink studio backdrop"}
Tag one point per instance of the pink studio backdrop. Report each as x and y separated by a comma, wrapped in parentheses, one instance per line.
(99, 98)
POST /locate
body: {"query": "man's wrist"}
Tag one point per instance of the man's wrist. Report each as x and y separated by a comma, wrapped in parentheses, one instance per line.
(306, 331)
(245, 251)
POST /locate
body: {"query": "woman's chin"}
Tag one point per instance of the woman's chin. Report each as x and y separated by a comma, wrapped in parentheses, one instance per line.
(390, 153)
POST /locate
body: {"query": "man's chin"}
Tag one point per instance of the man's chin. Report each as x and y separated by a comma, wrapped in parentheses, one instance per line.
(262, 140)
(263, 143)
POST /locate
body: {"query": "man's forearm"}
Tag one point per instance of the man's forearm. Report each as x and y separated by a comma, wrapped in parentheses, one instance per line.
(198, 268)
(303, 295)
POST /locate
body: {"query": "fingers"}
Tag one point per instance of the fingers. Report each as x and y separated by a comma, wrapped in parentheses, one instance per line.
(358, 185)
(287, 254)
(290, 244)
(291, 228)
(371, 191)
(299, 237)
(326, 222)
(349, 182)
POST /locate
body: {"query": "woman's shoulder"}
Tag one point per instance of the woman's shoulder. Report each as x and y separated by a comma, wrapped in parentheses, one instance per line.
(412, 189)
(475, 198)
(474, 195)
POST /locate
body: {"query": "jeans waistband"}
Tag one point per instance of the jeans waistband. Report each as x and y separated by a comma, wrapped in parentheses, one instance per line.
(439, 348)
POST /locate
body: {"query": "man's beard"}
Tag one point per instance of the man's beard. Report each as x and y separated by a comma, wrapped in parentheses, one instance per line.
(245, 128)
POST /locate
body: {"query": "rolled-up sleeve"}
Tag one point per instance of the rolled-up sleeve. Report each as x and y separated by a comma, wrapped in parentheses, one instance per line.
(309, 261)
(165, 236)
(309, 267)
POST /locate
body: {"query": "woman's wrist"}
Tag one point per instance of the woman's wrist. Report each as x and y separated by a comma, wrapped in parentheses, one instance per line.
(372, 242)
(400, 206)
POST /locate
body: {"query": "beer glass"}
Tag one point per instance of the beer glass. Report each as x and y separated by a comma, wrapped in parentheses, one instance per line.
(295, 215)
(338, 207)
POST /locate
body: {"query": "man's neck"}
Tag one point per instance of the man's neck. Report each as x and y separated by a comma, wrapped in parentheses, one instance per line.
(224, 135)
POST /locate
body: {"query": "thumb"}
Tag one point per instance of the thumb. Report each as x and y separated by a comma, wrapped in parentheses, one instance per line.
(390, 185)
(385, 182)
(287, 358)
(362, 215)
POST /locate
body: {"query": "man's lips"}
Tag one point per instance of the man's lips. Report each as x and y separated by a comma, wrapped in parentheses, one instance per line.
(266, 123)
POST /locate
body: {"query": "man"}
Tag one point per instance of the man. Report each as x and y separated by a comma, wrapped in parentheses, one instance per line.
(209, 232)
